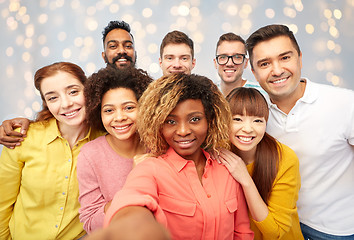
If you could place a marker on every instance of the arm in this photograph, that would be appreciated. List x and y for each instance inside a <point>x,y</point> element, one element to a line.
<point>10,138</point>
<point>133,222</point>
<point>92,201</point>
<point>237,168</point>
<point>283,197</point>
<point>10,180</point>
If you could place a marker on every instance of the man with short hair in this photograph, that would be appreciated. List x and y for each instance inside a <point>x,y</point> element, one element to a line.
<point>118,45</point>
<point>176,53</point>
<point>231,61</point>
<point>317,122</point>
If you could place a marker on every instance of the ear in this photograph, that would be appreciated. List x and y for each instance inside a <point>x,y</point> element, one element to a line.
<point>246,63</point>
<point>193,62</point>
<point>160,61</point>
<point>300,59</point>
<point>103,56</point>
<point>215,63</point>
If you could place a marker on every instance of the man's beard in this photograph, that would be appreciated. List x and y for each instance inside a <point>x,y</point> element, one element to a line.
<point>115,59</point>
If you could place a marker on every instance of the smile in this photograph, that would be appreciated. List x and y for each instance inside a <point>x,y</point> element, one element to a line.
<point>70,114</point>
<point>280,80</point>
<point>122,60</point>
<point>122,127</point>
<point>245,139</point>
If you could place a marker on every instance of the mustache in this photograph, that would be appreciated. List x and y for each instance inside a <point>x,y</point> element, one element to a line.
<point>120,55</point>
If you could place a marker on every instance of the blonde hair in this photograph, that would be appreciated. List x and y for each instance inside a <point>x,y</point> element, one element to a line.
<point>163,95</point>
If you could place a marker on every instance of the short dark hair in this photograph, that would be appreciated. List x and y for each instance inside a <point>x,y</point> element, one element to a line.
<point>109,78</point>
<point>177,37</point>
<point>269,32</point>
<point>230,37</point>
<point>115,25</point>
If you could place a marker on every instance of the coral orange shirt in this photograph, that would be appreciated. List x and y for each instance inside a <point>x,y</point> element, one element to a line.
<point>169,186</point>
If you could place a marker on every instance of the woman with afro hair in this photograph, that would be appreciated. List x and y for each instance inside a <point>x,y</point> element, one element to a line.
<point>103,164</point>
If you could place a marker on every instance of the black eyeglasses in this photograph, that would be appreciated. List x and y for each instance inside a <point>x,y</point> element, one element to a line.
<point>236,59</point>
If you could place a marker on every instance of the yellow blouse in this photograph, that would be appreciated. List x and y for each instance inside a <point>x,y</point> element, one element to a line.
<point>282,221</point>
<point>38,186</point>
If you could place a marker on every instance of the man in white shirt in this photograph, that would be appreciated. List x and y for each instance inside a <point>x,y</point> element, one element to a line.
<point>317,122</point>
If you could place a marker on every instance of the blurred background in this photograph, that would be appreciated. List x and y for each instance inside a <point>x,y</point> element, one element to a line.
<point>38,33</point>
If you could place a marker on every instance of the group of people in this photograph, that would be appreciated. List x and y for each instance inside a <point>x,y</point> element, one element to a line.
<point>120,155</point>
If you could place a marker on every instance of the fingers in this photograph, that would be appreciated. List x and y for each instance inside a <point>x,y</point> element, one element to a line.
<point>10,142</point>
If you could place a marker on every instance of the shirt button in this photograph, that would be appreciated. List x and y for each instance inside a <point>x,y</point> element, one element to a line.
<point>209,196</point>
<point>61,208</point>
<point>69,160</point>
<point>206,175</point>
<point>56,226</point>
<point>63,193</point>
<point>66,177</point>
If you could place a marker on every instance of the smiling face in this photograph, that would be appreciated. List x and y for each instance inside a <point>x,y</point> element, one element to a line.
<point>246,132</point>
<point>277,68</point>
<point>119,112</point>
<point>176,58</point>
<point>185,128</point>
<point>63,94</point>
<point>230,72</point>
<point>119,49</point>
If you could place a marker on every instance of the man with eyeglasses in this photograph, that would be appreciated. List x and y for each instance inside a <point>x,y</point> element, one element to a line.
<point>230,61</point>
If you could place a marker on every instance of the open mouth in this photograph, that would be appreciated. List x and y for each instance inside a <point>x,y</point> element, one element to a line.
<point>280,80</point>
<point>245,139</point>
<point>71,114</point>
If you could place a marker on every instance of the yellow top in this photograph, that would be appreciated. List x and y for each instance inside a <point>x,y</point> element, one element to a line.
<point>38,186</point>
<point>282,221</point>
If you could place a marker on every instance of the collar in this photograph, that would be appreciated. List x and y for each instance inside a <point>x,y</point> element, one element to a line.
<point>53,132</point>
<point>179,162</point>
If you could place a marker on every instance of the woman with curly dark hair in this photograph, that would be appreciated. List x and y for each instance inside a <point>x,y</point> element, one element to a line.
<point>179,184</point>
<point>103,164</point>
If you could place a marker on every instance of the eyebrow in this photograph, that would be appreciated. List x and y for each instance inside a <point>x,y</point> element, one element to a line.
<point>280,55</point>
<point>124,103</point>
<point>190,114</point>
<point>116,41</point>
<point>68,87</point>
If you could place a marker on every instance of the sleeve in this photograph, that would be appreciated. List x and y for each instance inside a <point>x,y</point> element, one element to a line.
<point>10,180</point>
<point>140,189</point>
<point>91,198</point>
<point>282,201</point>
<point>242,230</point>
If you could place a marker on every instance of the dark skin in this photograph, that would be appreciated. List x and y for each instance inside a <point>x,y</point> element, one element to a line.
<point>11,138</point>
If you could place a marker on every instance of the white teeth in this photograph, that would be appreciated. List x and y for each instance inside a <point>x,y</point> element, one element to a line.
<point>121,128</point>
<point>229,71</point>
<point>280,80</point>
<point>70,114</point>
<point>245,139</point>
<point>122,60</point>
<point>185,142</point>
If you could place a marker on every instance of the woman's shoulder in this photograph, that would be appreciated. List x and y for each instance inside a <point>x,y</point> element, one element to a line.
<point>288,156</point>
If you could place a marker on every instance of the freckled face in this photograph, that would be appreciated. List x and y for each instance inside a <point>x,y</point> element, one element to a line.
<point>63,94</point>
<point>185,128</point>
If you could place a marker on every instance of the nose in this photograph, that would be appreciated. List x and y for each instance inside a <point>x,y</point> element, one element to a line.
<point>247,127</point>
<point>277,69</point>
<point>121,48</point>
<point>183,129</point>
<point>120,116</point>
<point>176,63</point>
<point>66,102</point>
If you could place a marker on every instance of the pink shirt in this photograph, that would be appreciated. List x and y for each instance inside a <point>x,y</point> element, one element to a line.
<point>169,186</point>
<point>101,172</point>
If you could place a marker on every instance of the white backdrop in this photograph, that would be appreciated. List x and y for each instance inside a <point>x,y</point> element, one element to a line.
<point>38,33</point>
